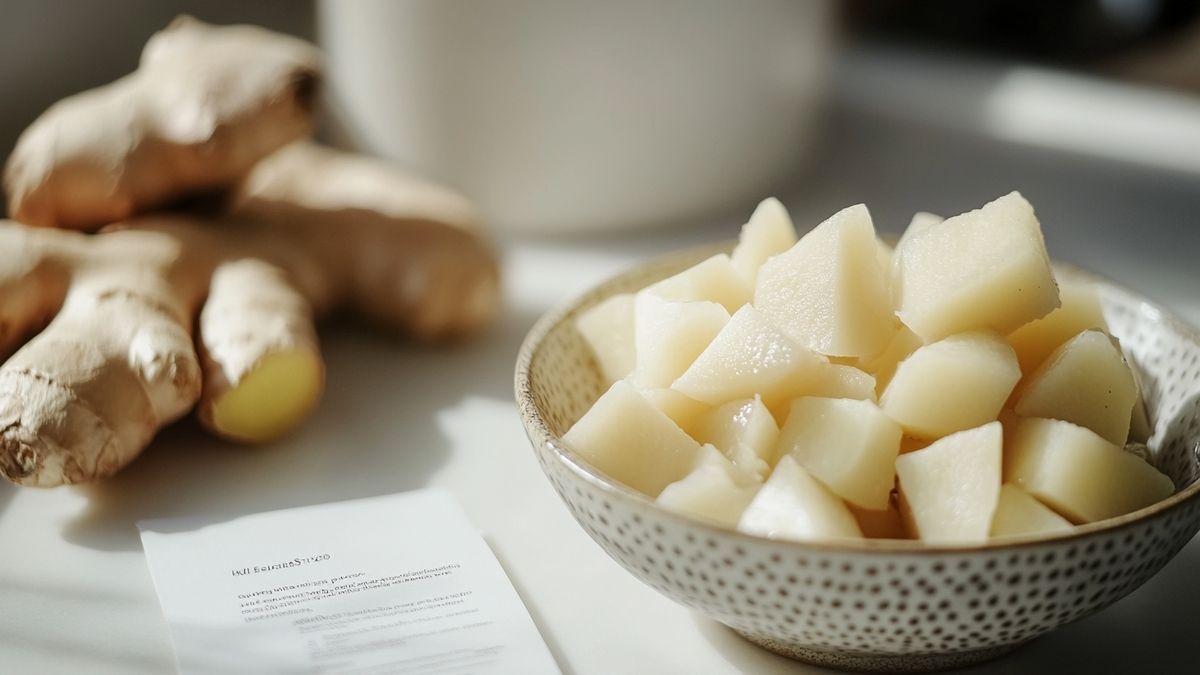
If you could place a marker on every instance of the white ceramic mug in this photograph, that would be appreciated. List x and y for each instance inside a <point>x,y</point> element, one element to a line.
<point>563,115</point>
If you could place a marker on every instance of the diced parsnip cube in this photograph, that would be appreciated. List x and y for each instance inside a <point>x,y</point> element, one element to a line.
<point>1019,513</point>
<point>986,269</point>
<point>884,252</point>
<point>883,366</point>
<point>850,445</point>
<point>949,489</point>
<point>794,505</point>
<point>880,524</point>
<point>834,380</point>
<point>921,221</point>
<point>749,356</point>
<point>632,441</point>
<point>715,489</point>
<point>956,383</point>
<point>1079,474</point>
<point>1085,381</point>
<point>828,290</point>
<point>768,232</point>
<point>686,412</point>
<point>713,279</point>
<point>1140,428</point>
<point>608,330</point>
<point>1080,311</point>
<point>838,380</point>
<point>670,335</point>
<point>745,431</point>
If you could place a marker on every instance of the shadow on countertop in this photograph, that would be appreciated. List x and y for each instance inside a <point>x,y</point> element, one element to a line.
<point>747,656</point>
<point>375,432</point>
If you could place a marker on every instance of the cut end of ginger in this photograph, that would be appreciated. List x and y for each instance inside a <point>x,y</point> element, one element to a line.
<point>272,399</point>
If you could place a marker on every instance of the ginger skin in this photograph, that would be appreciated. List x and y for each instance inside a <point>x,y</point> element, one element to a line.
<point>408,252</point>
<point>116,361</point>
<point>205,104</point>
<point>162,312</point>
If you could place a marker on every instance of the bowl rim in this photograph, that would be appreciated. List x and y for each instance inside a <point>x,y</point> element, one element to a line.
<point>540,434</point>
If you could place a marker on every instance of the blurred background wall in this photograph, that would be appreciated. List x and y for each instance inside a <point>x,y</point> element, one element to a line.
<point>49,50</point>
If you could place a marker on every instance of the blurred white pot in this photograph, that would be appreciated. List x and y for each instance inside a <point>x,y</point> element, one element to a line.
<point>563,115</point>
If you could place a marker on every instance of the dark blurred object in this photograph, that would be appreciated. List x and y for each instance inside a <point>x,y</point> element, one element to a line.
<point>1070,31</point>
<point>1172,62</point>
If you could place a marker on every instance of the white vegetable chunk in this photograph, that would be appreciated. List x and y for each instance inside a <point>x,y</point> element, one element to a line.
<point>849,445</point>
<point>794,505</point>
<point>713,279</point>
<point>884,251</point>
<point>956,383</point>
<point>716,490</point>
<point>833,380</point>
<point>838,380</point>
<point>920,222</point>
<point>745,431</point>
<point>670,335</point>
<point>1018,514</point>
<point>632,441</point>
<point>949,489</point>
<point>1080,310</point>
<point>828,291</point>
<point>1140,427</point>
<point>749,356</point>
<point>768,232</point>
<point>1079,474</point>
<point>607,328</point>
<point>883,366</point>
<point>986,269</point>
<point>686,412</point>
<point>1085,381</point>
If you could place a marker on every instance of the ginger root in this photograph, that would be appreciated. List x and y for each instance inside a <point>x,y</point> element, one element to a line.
<point>408,251</point>
<point>205,104</point>
<point>115,361</point>
<point>160,312</point>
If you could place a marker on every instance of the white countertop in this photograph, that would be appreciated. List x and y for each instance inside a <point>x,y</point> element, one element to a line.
<point>76,596</point>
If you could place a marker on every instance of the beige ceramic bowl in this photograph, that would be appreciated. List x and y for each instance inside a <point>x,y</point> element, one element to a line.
<point>879,605</point>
